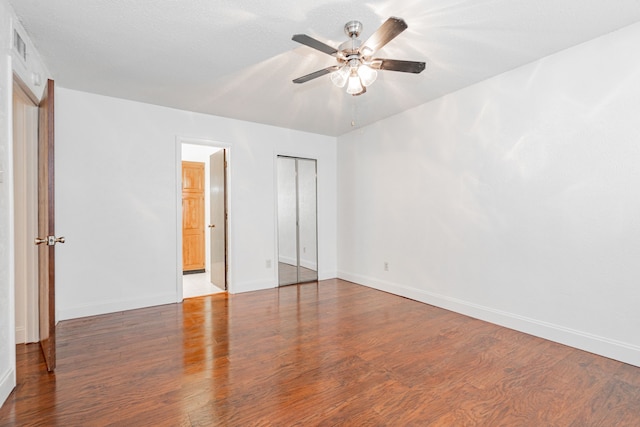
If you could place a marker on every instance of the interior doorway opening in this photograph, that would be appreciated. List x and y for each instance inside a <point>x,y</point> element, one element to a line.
<point>203,217</point>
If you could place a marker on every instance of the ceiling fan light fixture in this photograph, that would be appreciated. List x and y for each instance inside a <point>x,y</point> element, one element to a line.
<point>367,75</point>
<point>356,67</point>
<point>354,86</point>
<point>340,76</point>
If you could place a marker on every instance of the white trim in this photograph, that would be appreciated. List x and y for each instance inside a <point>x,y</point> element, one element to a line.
<point>25,202</point>
<point>624,352</point>
<point>178,165</point>
<point>7,384</point>
<point>328,275</point>
<point>21,335</point>
<point>178,203</point>
<point>257,285</point>
<point>115,306</point>
<point>275,256</point>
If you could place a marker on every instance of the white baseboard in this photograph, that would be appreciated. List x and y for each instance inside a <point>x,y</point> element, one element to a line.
<point>325,275</point>
<point>21,335</point>
<point>115,306</point>
<point>257,285</point>
<point>617,350</point>
<point>7,383</point>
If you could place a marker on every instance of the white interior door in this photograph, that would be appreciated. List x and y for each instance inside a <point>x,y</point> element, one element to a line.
<point>218,219</point>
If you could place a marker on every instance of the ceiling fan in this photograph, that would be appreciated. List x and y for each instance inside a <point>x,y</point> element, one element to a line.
<point>356,66</point>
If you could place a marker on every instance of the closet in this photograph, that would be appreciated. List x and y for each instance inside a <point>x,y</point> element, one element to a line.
<point>297,220</point>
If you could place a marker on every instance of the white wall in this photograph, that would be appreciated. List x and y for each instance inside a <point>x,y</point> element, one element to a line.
<point>116,200</point>
<point>7,321</point>
<point>33,67</point>
<point>514,200</point>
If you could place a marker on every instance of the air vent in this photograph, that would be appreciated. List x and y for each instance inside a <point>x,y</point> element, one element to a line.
<point>19,46</point>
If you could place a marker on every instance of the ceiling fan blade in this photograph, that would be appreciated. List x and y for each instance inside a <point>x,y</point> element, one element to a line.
<point>397,65</point>
<point>316,74</point>
<point>316,44</point>
<point>383,35</point>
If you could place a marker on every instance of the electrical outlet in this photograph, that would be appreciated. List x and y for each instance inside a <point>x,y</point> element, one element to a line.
<point>268,263</point>
<point>386,266</point>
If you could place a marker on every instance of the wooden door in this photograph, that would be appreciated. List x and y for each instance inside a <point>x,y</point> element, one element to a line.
<point>46,227</point>
<point>193,250</point>
<point>218,218</point>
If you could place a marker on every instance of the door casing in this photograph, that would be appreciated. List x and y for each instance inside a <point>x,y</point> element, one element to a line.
<point>25,149</point>
<point>229,229</point>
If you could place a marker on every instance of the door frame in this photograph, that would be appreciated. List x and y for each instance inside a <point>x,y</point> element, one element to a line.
<point>30,180</point>
<point>178,191</point>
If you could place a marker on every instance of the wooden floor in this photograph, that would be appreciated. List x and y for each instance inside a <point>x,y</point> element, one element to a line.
<point>332,353</point>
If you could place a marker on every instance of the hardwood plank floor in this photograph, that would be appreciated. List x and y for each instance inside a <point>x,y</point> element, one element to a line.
<point>332,353</point>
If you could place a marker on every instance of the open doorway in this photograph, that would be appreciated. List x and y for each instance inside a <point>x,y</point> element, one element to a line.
<point>203,211</point>
<point>25,180</point>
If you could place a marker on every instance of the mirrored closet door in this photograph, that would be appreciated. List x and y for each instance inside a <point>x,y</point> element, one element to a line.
<point>297,221</point>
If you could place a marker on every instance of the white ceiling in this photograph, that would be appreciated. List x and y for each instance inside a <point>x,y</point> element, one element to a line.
<point>236,58</point>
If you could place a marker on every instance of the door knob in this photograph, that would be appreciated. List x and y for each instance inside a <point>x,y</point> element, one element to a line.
<point>49,240</point>
<point>212,225</point>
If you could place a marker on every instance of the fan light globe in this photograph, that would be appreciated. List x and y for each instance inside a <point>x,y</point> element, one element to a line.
<point>367,75</point>
<point>340,76</point>
<point>354,86</point>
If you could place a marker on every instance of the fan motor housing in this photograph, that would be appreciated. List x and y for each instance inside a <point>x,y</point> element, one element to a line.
<point>353,28</point>
<point>350,47</point>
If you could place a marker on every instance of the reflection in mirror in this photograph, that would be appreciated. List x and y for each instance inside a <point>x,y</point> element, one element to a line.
<point>297,221</point>
<point>287,218</point>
